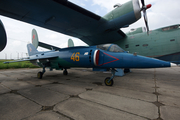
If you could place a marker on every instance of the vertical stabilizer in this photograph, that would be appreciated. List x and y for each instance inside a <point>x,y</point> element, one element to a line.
<point>31,50</point>
<point>35,40</point>
<point>70,43</point>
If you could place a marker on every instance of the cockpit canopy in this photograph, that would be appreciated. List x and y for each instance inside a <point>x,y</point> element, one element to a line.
<point>110,48</point>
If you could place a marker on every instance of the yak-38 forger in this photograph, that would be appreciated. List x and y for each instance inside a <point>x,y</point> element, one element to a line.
<point>105,56</point>
<point>99,57</point>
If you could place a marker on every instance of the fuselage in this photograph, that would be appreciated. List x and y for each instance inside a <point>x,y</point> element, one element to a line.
<point>163,43</point>
<point>101,56</point>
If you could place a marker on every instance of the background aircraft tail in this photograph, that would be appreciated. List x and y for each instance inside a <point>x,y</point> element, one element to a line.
<point>36,43</point>
<point>31,49</point>
<point>70,43</point>
<point>35,40</point>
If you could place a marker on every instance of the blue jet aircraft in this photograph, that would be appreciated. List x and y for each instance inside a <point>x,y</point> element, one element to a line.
<point>105,56</point>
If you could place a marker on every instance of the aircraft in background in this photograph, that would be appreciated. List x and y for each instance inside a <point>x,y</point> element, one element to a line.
<point>162,43</point>
<point>68,18</point>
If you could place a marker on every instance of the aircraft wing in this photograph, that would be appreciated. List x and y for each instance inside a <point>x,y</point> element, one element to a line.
<point>67,18</point>
<point>32,59</point>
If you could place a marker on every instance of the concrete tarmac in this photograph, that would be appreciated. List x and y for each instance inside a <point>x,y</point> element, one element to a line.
<point>143,94</point>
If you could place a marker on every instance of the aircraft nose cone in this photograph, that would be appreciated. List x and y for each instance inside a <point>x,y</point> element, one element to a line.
<point>146,62</point>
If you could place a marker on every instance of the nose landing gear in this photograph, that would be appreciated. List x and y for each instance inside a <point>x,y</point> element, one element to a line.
<point>109,80</point>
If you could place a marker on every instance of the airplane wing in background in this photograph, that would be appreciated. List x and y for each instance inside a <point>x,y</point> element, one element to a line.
<point>67,18</point>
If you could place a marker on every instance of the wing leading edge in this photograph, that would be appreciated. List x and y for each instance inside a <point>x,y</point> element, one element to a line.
<point>67,18</point>
<point>32,59</point>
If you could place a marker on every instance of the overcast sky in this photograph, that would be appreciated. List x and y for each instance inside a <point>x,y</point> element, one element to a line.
<point>162,13</point>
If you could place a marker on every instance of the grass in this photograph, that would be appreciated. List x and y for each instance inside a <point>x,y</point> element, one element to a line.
<point>24,64</point>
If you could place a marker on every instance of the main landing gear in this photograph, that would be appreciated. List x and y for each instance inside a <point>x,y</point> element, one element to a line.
<point>109,80</point>
<point>65,72</point>
<point>40,74</point>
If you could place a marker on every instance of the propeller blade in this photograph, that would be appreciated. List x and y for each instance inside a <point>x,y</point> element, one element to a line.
<point>142,1</point>
<point>146,21</point>
<point>143,9</point>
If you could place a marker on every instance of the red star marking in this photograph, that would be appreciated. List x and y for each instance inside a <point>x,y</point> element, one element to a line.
<point>33,36</point>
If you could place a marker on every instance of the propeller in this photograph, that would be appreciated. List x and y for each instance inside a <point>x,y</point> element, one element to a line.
<point>144,8</point>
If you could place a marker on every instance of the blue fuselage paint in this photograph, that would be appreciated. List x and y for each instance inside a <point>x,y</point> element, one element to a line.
<point>84,57</point>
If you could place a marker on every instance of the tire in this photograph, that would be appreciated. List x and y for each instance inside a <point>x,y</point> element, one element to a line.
<point>126,70</point>
<point>39,75</point>
<point>108,83</point>
<point>65,72</point>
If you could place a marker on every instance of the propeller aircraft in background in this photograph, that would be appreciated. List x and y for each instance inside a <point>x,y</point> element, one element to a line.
<point>162,43</point>
<point>68,18</point>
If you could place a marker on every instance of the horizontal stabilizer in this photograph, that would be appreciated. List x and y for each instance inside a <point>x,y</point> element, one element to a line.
<point>47,46</point>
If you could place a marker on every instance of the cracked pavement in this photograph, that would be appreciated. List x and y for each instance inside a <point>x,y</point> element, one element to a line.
<point>143,94</point>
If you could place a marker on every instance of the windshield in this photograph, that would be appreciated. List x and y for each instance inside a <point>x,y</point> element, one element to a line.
<point>110,47</point>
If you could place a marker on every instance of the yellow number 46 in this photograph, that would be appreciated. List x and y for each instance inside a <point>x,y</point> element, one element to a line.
<point>75,56</point>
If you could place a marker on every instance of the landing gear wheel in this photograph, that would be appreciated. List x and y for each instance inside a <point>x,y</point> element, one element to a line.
<point>126,70</point>
<point>65,72</point>
<point>107,82</point>
<point>39,75</point>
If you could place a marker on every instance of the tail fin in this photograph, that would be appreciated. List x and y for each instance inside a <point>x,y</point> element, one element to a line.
<point>31,49</point>
<point>35,40</point>
<point>70,43</point>
<point>36,43</point>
